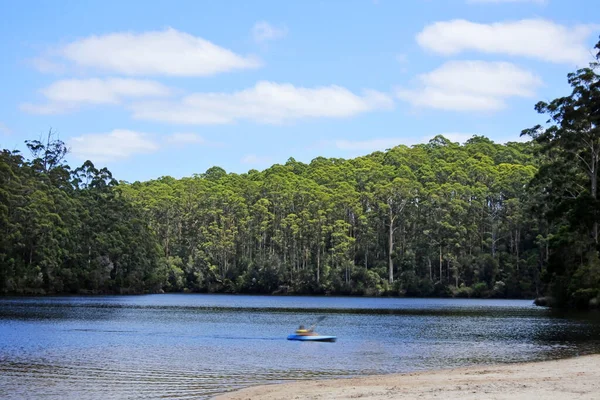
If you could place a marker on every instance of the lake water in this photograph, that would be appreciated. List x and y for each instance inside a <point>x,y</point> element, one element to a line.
<point>195,346</point>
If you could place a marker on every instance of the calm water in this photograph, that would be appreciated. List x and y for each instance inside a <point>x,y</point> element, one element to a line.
<point>196,346</point>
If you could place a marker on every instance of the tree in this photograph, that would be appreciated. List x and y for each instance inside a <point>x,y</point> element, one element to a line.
<point>394,200</point>
<point>570,146</point>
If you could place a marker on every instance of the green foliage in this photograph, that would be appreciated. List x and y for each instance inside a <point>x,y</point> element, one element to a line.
<point>566,190</point>
<point>419,221</point>
<point>479,290</point>
<point>69,231</point>
<point>463,291</point>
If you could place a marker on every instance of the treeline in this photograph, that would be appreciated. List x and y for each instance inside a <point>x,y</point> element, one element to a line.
<point>70,231</point>
<point>436,219</point>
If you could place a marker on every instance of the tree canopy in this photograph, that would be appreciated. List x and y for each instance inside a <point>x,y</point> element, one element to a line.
<point>433,219</point>
<point>567,188</point>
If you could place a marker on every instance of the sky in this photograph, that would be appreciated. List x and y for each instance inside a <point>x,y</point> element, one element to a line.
<point>156,88</point>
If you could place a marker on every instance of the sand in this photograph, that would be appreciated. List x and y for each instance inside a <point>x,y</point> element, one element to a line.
<point>575,378</point>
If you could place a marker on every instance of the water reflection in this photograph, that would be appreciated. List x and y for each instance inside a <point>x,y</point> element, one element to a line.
<point>194,346</point>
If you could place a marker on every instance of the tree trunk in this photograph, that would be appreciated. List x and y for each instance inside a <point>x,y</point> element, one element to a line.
<point>391,248</point>
<point>594,178</point>
<point>517,240</point>
<point>441,264</point>
<point>318,264</point>
<point>455,274</point>
<point>347,278</point>
<point>430,269</point>
<point>493,241</point>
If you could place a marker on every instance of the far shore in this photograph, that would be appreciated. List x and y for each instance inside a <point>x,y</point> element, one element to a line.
<point>275,295</point>
<point>573,378</point>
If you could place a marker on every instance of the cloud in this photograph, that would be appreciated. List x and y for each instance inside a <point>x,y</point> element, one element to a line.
<point>253,159</point>
<point>185,138</point>
<point>116,145</point>
<point>47,66</point>
<point>48,108</point>
<point>168,52</point>
<point>266,102</point>
<point>68,94</point>
<point>507,1</point>
<point>471,86</point>
<point>262,31</point>
<point>5,130</point>
<point>533,38</point>
<point>103,91</point>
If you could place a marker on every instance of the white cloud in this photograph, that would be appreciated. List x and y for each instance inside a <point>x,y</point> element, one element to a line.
<point>266,102</point>
<point>262,31</point>
<point>103,91</point>
<point>168,52</point>
<point>68,94</point>
<point>5,129</point>
<point>115,145</point>
<point>253,159</point>
<point>48,108</point>
<point>534,38</point>
<point>185,138</point>
<point>471,86</point>
<point>47,66</point>
<point>508,1</point>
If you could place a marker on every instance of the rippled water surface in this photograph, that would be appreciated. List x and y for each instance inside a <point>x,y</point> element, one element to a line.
<point>196,346</point>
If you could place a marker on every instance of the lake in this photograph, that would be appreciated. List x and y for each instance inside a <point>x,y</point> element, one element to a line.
<point>192,346</point>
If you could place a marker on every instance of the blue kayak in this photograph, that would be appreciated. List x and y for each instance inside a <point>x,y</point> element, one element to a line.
<point>312,338</point>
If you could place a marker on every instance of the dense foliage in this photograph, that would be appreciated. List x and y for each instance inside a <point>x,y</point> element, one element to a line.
<point>433,219</point>
<point>436,219</point>
<point>567,189</point>
<point>70,231</point>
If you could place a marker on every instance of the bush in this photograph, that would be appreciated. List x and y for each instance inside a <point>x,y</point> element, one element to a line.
<point>583,297</point>
<point>480,290</point>
<point>545,301</point>
<point>499,290</point>
<point>463,291</point>
<point>441,290</point>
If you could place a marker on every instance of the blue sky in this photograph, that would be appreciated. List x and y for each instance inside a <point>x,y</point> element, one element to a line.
<point>153,88</point>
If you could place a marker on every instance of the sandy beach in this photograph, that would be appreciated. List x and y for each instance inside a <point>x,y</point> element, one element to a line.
<point>575,378</point>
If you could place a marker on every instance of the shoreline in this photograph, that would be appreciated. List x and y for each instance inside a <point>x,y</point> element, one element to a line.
<point>21,295</point>
<point>569,378</point>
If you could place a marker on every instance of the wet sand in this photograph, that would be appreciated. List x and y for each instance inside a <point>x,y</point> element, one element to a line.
<point>574,378</point>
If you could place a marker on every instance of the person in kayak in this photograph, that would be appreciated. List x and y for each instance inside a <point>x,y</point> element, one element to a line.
<point>302,331</point>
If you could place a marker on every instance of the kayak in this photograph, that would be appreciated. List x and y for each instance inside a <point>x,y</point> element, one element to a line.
<point>312,338</point>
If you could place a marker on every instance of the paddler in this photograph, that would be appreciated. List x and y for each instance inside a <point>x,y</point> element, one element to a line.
<point>302,331</point>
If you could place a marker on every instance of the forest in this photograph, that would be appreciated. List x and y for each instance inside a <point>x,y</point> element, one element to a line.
<point>481,219</point>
